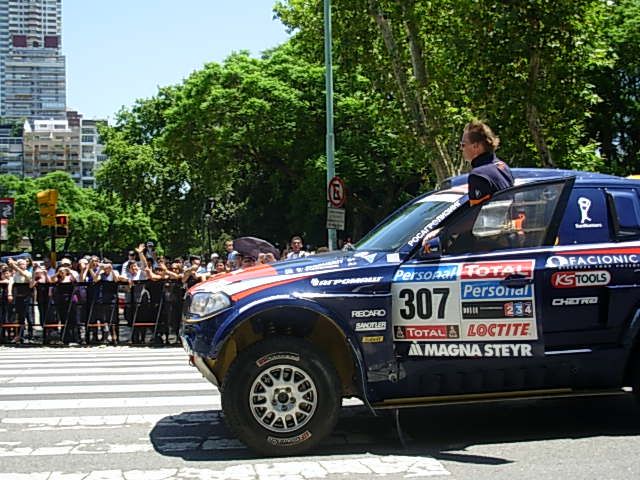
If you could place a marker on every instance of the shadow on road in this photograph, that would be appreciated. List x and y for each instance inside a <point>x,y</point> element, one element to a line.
<point>442,432</point>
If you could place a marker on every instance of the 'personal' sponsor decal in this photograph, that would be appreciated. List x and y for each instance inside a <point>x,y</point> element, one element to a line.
<point>587,278</point>
<point>497,270</point>
<point>430,273</point>
<point>570,302</point>
<point>470,350</point>
<point>489,290</point>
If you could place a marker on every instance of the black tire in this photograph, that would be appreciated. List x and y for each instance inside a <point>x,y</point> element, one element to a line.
<point>281,396</point>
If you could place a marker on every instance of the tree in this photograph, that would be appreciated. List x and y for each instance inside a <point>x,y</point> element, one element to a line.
<point>520,65</point>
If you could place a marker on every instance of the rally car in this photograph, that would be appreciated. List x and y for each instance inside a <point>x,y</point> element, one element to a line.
<point>532,293</point>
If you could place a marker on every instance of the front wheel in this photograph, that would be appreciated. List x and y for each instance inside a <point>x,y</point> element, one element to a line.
<point>281,396</point>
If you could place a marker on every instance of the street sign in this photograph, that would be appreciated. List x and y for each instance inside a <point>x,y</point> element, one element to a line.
<point>335,218</point>
<point>336,192</point>
<point>4,229</point>
<point>7,209</point>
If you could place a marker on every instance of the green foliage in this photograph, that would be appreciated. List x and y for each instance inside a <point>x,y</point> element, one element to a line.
<point>97,223</point>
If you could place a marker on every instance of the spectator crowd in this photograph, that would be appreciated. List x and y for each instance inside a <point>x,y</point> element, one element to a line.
<point>89,300</point>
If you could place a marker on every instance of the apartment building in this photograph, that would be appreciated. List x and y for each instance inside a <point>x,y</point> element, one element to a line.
<point>32,67</point>
<point>11,150</point>
<point>72,145</point>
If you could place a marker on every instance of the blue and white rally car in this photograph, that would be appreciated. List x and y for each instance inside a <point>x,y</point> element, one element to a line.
<point>535,292</point>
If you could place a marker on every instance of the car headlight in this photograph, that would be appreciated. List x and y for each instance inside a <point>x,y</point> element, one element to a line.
<point>205,304</point>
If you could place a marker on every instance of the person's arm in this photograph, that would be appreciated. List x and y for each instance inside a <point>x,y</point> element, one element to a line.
<point>143,259</point>
<point>10,290</point>
<point>96,274</point>
<point>479,189</point>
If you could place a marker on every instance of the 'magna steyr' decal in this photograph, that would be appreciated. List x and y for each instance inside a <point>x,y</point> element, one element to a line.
<point>470,350</point>
<point>464,302</point>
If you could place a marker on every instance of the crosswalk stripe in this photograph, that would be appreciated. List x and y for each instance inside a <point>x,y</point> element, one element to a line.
<point>85,421</point>
<point>96,370</point>
<point>106,388</point>
<point>193,374</point>
<point>76,365</point>
<point>211,401</point>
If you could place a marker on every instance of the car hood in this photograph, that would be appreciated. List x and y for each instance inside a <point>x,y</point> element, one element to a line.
<point>241,283</point>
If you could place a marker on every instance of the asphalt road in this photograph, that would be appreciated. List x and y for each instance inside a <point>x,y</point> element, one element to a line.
<point>139,413</point>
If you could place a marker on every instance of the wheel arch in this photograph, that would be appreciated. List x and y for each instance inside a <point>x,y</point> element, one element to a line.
<point>306,320</point>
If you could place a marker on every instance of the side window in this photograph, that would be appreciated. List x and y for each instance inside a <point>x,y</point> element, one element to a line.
<point>625,210</point>
<point>585,219</point>
<point>511,219</point>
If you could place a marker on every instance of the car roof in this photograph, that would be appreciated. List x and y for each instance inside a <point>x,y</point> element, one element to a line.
<point>533,174</point>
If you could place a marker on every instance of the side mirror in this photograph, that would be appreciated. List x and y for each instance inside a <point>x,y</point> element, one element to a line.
<point>431,249</point>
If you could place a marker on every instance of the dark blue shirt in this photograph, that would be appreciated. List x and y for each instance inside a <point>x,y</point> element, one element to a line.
<point>489,175</point>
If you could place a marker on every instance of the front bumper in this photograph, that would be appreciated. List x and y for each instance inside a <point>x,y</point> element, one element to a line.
<point>199,362</point>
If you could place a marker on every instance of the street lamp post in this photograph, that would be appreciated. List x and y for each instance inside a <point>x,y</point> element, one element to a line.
<point>330,143</point>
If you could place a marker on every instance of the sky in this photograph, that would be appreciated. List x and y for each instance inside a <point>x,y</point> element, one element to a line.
<point>118,51</point>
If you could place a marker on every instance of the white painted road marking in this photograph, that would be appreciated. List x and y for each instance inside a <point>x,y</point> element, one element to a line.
<point>367,466</point>
<point>100,378</point>
<point>108,388</point>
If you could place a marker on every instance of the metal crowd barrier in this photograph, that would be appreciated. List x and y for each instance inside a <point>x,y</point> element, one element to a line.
<point>140,312</point>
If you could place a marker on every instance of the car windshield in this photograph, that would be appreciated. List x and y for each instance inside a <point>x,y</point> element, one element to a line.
<point>411,223</point>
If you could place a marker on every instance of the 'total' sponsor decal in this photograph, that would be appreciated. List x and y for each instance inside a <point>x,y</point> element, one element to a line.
<point>587,278</point>
<point>489,270</point>
<point>427,332</point>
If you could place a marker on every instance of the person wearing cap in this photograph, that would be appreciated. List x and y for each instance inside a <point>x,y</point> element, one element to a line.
<point>211,266</point>
<point>131,257</point>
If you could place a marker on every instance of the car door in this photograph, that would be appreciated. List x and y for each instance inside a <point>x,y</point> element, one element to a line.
<point>468,321</point>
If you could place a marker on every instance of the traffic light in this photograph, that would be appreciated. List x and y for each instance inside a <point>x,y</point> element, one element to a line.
<point>47,203</point>
<point>62,225</point>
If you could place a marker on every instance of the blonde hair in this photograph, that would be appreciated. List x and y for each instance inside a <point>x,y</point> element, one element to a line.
<point>480,132</point>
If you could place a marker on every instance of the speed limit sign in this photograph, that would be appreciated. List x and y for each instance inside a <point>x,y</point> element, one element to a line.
<point>336,192</point>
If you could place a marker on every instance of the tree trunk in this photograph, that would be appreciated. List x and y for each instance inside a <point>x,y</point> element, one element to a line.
<point>410,95</point>
<point>533,117</point>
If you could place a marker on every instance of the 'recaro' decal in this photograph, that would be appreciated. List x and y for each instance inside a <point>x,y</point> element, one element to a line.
<point>373,313</point>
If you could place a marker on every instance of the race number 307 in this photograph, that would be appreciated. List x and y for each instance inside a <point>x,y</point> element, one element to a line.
<point>420,303</point>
